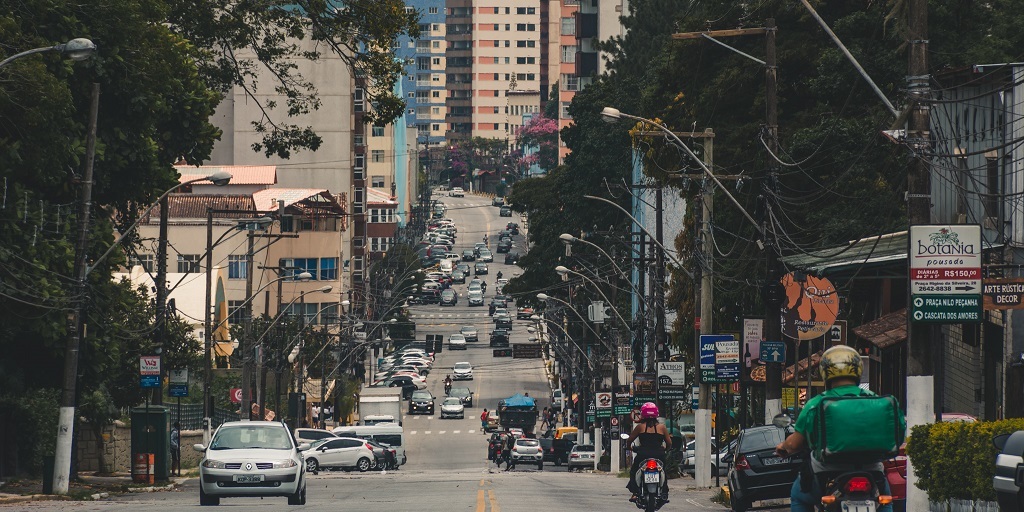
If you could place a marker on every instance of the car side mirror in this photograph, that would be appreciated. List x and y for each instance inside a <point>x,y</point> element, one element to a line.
<point>782,421</point>
<point>199,447</point>
<point>302,447</point>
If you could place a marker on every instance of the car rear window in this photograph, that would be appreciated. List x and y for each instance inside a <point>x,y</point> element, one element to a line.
<point>760,440</point>
<point>528,442</point>
<point>585,448</point>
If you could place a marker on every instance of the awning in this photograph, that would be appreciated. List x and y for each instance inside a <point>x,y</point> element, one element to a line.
<point>886,331</point>
<point>223,349</point>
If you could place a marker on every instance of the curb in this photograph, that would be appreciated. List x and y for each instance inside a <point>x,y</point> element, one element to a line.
<point>17,498</point>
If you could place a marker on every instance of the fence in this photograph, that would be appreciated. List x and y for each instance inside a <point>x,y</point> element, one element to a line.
<point>963,506</point>
<point>192,416</point>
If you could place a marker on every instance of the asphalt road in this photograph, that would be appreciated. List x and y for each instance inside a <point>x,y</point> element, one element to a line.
<point>448,468</point>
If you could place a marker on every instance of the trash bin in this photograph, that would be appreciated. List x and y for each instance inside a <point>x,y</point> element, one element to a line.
<point>142,468</point>
<point>48,463</point>
<point>151,435</point>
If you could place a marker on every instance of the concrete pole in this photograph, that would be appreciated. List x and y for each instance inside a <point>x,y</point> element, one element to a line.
<point>597,445</point>
<point>702,416</point>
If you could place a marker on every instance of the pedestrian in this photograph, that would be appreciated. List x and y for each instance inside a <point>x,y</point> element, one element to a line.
<point>176,449</point>
<point>484,416</point>
<point>316,416</point>
<point>545,419</point>
<point>328,412</point>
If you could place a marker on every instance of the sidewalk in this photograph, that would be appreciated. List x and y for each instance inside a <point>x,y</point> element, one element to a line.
<point>89,486</point>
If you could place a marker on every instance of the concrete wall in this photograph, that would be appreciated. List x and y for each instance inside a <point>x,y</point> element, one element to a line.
<point>118,444</point>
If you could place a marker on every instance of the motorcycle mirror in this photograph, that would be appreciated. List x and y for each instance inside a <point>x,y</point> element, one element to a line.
<point>623,436</point>
<point>782,421</point>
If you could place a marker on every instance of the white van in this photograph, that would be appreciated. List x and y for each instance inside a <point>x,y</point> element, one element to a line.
<point>446,266</point>
<point>386,433</point>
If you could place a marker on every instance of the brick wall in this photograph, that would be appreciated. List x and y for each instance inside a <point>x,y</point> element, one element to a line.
<point>118,444</point>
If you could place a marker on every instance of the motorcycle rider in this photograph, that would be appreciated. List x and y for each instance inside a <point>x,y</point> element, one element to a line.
<point>447,384</point>
<point>840,368</point>
<point>499,274</point>
<point>651,435</point>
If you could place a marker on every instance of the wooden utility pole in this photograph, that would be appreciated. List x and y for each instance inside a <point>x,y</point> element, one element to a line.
<point>924,342</point>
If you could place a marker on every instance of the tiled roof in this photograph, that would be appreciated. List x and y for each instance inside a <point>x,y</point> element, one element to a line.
<point>266,200</point>
<point>193,206</point>
<point>378,196</point>
<point>240,174</point>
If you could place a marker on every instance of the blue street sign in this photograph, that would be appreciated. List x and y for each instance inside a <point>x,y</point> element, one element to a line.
<point>773,352</point>
<point>177,390</point>
<point>710,370</point>
<point>149,381</point>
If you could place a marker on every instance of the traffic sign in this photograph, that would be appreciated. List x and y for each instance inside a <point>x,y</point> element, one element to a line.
<point>945,273</point>
<point>946,308</point>
<point>773,352</point>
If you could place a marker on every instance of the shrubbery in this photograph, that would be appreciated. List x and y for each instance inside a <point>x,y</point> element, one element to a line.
<point>956,460</point>
<point>32,419</point>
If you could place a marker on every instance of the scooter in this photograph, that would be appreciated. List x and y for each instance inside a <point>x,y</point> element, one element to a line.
<point>650,477</point>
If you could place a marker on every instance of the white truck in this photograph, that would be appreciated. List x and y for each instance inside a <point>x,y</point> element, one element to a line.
<point>380,405</point>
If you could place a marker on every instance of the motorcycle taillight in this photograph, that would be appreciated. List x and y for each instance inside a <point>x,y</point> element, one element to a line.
<point>652,465</point>
<point>858,484</point>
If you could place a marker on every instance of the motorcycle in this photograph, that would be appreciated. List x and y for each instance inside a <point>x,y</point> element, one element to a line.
<point>447,388</point>
<point>650,477</point>
<point>849,491</point>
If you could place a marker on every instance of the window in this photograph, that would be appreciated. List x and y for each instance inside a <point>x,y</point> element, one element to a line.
<point>237,266</point>
<point>435,27</point>
<point>526,44</point>
<point>358,200</point>
<point>378,131</point>
<point>188,263</point>
<point>144,260</point>
<point>377,181</point>
<point>508,60</point>
<point>328,269</point>
<point>526,60</point>
<point>568,26</point>
<point>236,312</point>
<point>359,139</point>
<point>435,94</point>
<point>570,82</point>
<point>432,10</point>
<point>380,244</point>
<point>526,27</point>
<point>496,76</point>
<point>377,155</point>
<point>437,61</point>
<point>569,54</point>
<point>357,100</point>
<point>526,76</point>
<point>358,168</point>
<point>436,44</point>
<point>507,44</point>
<point>496,10</point>
<point>495,110</point>
<point>435,127</point>
<point>497,26</point>
<point>564,111</point>
<point>382,215</point>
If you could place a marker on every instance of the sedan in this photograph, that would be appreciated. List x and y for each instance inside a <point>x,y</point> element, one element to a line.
<point>468,255</point>
<point>452,407</point>
<point>469,332</point>
<point>462,370</point>
<point>422,402</point>
<point>504,246</point>
<point>486,256</point>
<point>456,342</point>
<point>449,298</point>
<point>480,268</point>
<point>463,394</point>
<point>341,453</point>
<point>252,458</point>
<point>581,457</point>
<point>458,276</point>
<point>476,298</point>
<point>757,472</point>
<point>1009,472</point>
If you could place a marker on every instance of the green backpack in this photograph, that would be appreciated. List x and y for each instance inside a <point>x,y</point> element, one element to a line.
<point>859,429</point>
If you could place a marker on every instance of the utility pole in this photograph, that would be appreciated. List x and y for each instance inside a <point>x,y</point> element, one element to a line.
<point>246,343</point>
<point>160,326</point>
<point>660,344</point>
<point>702,416</point>
<point>924,342</point>
<point>772,318</point>
<point>69,397</point>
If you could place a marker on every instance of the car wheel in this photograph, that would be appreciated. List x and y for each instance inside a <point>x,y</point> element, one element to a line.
<point>299,498</point>
<point>363,465</point>
<point>738,504</point>
<point>206,500</point>
<point>312,465</point>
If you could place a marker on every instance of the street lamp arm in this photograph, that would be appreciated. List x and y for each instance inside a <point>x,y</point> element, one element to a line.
<point>26,53</point>
<point>75,49</point>
<point>280,314</point>
<point>305,276</point>
<point>131,229</point>
<point>606,255</point>
<point>598,288</point>
<point>584,320</point>
<point>590,363</point>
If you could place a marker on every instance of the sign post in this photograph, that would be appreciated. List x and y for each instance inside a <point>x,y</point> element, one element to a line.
<point>945,273</point>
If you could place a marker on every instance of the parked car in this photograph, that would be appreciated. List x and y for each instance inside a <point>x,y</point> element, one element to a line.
<point>505,211</point>
<point>463,394</point>
<point>452,407</point>
<point>224,471</point>
<point>421,402</point>
<point>462,370</point>
<point>757,473</point>
<point>470,333</point>
<point>527,450</point>
<point>311,435</point>
<point>456,342</point>
<point>1009,472</point>
<point>556,399</point>
<point>896,474</point>
<point>718,464</point>
<point>581,457</point>
<point>524,313</point>
<point>346,453</point>
<point>480,269</point>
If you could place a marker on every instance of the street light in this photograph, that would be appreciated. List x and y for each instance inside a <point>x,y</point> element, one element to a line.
<point>77,49</point>
<point>563,270</point>
<point>546,297</point>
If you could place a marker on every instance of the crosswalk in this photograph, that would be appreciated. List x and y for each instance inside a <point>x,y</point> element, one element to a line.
<point>440,432</point>
<point>426,316</point>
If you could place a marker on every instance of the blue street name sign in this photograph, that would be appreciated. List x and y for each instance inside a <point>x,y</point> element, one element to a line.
<point>177,390</point>
<point>149,381</point>
<point>773,352</point>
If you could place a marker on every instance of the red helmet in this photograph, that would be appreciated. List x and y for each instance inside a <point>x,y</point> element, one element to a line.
<point>648,410</point>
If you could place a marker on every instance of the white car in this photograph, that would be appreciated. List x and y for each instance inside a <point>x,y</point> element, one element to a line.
<point>343,452</point>
<point>252,458</point>
<point>452,407</point>
<point>457,192</point>
<point>456,342</point>
<point>462,371</point>
<point>476,298</point>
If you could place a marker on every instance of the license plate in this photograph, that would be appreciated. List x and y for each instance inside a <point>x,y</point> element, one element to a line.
<point>858,506</point>
<point>652,478</point>
<point>248,479</point>
<point>771,461</point>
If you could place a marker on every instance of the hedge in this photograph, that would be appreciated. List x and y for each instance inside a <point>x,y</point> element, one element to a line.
<point>956,460</point>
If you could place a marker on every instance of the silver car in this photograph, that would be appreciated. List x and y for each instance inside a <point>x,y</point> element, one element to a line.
<point>252,458</point>
<point>452,407</point>
<point>528,450</point>
<point>581,457</point>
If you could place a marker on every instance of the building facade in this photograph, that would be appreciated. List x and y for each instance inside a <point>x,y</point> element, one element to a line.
<point>424,78</point>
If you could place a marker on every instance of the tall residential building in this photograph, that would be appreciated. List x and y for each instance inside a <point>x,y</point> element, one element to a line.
<point>583,24</point>
<point>492,49</point>
<point>424,77</point>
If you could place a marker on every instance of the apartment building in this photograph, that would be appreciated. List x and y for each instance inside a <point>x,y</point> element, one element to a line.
<point>424,77</point>
<point>492,49</point>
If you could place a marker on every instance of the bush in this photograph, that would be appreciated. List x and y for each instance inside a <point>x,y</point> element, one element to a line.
<point>956,460</point>
<point>32,418</point>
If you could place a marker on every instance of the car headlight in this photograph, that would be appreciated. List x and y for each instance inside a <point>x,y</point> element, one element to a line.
<point>214,464</point>
<point>288,463</point>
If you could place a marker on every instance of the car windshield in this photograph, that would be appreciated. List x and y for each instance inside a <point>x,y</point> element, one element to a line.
<point>463,366</point>
<point>421,395</point>
<point>451,401</point>
<point>251,436</point>
<point>457,337</point>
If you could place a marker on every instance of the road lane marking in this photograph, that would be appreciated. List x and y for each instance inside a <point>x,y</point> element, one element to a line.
<point>412,433</point>
<point>471,431</point>
<point>425,432</point>
<point>494,502</point>
<point>442,432</point>
<point>456,431</point>
<point>480,500</point>
<point>481,482</point>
